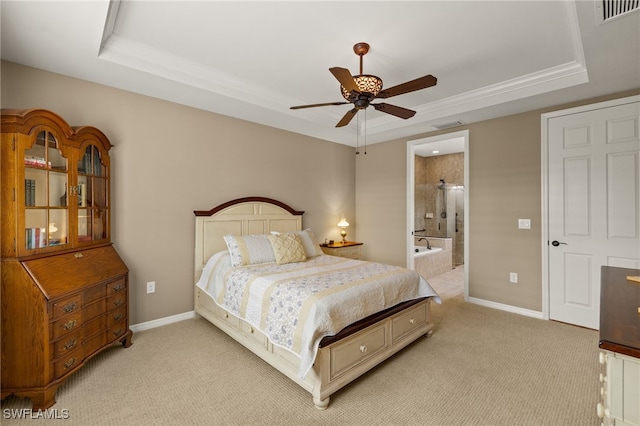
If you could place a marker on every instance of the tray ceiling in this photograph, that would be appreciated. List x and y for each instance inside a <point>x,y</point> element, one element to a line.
<point>253,60</point>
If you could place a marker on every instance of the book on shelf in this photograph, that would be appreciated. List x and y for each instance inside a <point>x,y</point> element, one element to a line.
<point>31,160</point>
<point>82,195</point>
<point>29,192</point>
<point>36,238</point>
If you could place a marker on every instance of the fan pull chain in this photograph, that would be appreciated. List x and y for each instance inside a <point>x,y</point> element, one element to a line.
<point>357,132</point>
<point>365,132</point>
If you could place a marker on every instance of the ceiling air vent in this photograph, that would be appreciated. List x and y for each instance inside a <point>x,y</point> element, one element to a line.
<point>449,125</point>
<point>613,8</point>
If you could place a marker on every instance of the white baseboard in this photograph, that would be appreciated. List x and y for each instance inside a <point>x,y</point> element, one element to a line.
<point>163,321</point>
<point>508,308</point>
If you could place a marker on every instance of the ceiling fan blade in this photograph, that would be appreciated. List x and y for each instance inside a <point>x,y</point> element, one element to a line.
<point>347,118</point>
<point>394,110</point>
<point>319,105</point>
<point>343,75</point>
<point>409,86</point>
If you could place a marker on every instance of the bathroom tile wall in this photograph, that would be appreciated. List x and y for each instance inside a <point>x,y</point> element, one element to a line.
<point>428,172</point>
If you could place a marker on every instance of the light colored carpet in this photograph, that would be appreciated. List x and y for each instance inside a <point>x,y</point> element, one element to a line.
<point>480,367</point>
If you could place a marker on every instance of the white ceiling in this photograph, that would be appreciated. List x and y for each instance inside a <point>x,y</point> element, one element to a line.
<point>254,60</point>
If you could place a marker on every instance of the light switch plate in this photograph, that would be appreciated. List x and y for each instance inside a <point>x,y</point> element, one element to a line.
<point>524,223</point>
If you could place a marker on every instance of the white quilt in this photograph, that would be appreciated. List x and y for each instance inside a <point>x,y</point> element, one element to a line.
<point>297,304</point>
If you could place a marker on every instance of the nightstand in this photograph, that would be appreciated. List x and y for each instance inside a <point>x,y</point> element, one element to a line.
<point>349,249</point>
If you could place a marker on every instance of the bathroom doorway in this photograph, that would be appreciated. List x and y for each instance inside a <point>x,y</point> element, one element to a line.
<point>437,194</point>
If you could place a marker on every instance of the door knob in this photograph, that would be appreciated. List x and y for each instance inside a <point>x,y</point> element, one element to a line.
<point>556,243</point>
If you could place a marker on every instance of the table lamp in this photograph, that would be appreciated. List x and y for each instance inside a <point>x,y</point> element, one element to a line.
<point>343,232</point>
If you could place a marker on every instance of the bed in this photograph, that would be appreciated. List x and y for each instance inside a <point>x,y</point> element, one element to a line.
<point>326,337</point>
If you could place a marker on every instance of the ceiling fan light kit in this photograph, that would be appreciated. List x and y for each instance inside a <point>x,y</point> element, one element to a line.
<point>367,84</point>
<point>360,90</point>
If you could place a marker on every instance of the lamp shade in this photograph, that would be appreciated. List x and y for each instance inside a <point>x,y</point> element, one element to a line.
<point>343,223</point>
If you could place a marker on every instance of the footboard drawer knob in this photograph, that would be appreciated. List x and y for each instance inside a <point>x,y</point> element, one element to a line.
<point>412,321</point>
<point>363,348</point>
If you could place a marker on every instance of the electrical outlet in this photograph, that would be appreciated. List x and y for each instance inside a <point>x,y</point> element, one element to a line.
<point>513,277</point>
<point>151,287</point>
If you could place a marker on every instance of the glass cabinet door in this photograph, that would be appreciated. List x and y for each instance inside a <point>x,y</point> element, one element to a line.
<point>92,196</point>
<point>46,179</point>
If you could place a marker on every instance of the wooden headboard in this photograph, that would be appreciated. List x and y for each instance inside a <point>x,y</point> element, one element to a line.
<point>250,215</point>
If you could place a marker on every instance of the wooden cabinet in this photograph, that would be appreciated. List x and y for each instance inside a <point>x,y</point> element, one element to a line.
<point>348,249</point>
<point>64,287</point>
<point>620,347</point>
<point>55,184</point>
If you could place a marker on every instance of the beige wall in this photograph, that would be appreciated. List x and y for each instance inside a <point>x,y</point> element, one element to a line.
<point>504,185</point>
<point>169,160</point>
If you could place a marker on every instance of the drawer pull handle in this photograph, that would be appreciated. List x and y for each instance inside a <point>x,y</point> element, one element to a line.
<point>69,325</point>
<point>117,316</point>
<point>117,302</point>
<point>118,332</point>
<point>70,363</point>
<point>117,288</point>
<point>69,307</point>
<point>251,330</point>
<point>78,255</point>
<point>363,349</point>
<point>600,410</point>
<point>602,358</point>
<point>412,321</point>
<point>226,315</point>
<point>71,343</point>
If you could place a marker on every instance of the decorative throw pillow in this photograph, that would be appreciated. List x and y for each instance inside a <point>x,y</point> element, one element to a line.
<point>249,249</point>
<point>309,242</point>
<point>287,248</point>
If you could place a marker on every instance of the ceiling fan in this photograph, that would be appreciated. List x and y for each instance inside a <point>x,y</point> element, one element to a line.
<point>360,90</point>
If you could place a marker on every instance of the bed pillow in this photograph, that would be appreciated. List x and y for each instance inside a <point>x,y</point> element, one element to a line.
<point>309,242</point>
<point>249,249</point>
<point>287,248</point>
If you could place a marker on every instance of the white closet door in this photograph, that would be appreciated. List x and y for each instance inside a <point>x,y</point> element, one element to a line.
<point>594,206</point>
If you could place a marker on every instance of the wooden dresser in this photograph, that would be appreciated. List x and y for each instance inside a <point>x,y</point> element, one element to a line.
<point>620,347</point>
<point>64,286</point>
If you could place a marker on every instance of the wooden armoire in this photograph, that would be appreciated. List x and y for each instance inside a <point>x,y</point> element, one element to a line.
<point>64,287</point>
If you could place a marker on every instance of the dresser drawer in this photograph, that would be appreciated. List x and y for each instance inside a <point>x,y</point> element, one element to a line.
<point>116,331</point>
<point>94,293</point>
<point>350,252</point>
<point>66,306</point>
<point>94,326</point>
<point>359,347</point>
<point>116,316</point>
<point>66,325</point>
<point>116,301</point>
<point>94,309</point>
<point>407,322</point>
<point>230,319</point>
<point>68,362</point>
<point>67,344</point>
<point>93,344</point>
<point>253,334</point>
<point>117,286</point>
